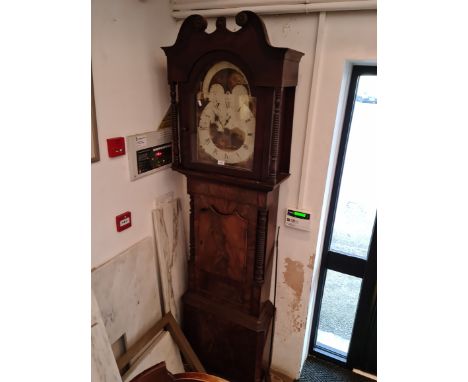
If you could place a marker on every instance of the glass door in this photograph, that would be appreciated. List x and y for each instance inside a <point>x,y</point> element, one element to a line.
<point>347,281</point>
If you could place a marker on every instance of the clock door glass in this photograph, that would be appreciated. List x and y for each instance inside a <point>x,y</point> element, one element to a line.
<point>225,115</point>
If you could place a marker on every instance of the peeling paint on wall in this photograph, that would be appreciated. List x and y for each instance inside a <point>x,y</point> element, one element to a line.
<point>294,278</point>
<point>310,265</point>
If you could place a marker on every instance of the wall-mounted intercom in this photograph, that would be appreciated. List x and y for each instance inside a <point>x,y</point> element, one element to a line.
<point>299,219</point>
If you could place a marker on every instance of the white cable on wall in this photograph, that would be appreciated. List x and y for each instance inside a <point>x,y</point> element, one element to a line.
<point>312,110</point>
<point>210,8</point>
<point>211,4</point>
<point>181,5</point>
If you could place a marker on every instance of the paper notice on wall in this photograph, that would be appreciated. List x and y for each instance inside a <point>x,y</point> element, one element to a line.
<point>141,141</point>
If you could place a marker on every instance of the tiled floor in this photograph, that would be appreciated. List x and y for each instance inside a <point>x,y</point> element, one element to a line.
<point>316,370</point>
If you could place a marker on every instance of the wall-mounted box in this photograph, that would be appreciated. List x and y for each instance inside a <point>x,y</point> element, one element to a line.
<point>123,221</point>
<point>116,147</point>
<point>149,152</point>
<point>299,219</point>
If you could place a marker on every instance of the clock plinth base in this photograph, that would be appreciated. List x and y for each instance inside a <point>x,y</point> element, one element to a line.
<point>229,343</point>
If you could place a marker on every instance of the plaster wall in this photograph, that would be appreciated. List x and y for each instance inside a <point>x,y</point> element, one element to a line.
<point>340,39</point>
<point>132,96</point>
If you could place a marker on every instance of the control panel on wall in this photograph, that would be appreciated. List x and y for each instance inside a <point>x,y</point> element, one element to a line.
<point>298,219</point>
<point>149,152</point>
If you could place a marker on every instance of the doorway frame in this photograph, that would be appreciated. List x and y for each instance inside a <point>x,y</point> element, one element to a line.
<point>334,261</point>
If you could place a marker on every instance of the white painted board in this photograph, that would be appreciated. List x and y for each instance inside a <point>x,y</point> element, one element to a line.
<point>127,292</point>
<point>172,254</point>
<point>103,365</point>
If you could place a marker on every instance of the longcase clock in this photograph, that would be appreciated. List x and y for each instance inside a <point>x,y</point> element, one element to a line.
<point>232,97</point>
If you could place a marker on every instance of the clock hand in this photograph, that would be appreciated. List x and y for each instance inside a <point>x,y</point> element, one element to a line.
<point>226,124</point>
<point>218,123</point>
<point>220,126</point>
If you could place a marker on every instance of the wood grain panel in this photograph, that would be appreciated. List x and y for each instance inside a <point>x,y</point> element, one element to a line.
<point>222,240</point>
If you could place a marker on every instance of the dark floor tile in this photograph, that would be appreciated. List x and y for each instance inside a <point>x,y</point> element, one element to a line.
<point>317,370</point>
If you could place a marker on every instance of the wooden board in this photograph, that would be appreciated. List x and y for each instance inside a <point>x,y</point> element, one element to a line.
<point>170,324</point>
<point>163,348</point>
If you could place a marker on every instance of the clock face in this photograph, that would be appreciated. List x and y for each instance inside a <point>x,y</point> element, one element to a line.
<point>225,118</point>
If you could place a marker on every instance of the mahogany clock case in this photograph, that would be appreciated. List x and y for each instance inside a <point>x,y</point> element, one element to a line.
<point>228,316</point>
<point>271,74</point>
<point>233,205</point>
<point>232,244</point>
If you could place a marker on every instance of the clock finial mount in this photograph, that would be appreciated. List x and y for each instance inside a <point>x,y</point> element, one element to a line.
<point>221,23</point>
<point>198,23</point>
<point>242,18</point>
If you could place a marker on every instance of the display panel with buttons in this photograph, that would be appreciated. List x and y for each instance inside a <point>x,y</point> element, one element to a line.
<point>298,219</point>
<point>149,152</point>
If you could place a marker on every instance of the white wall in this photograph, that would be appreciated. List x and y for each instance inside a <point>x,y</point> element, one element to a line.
<point>132,96</point>
<point>343,37</point>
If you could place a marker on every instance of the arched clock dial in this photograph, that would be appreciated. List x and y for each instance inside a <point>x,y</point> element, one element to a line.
<point>225,118</point>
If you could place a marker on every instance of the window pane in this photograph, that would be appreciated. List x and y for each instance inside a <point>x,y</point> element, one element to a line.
<point>337,313</point>
<point>356,207</point>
